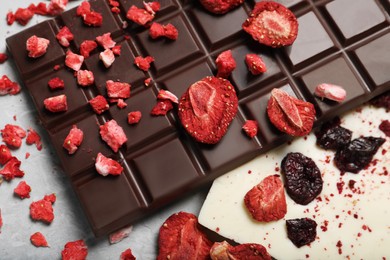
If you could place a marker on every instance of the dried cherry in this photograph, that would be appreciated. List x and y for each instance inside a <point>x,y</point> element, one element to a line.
<point>333,136</point>
<point>301,231</point>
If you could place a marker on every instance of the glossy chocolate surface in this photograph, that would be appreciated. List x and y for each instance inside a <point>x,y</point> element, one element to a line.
<point>337,43</point>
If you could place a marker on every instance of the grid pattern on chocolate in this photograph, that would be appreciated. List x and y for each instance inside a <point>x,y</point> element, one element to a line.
<point>161,161</point>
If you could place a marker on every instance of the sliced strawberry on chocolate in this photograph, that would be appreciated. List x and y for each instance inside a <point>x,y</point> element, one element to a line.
<point>267,201</point>
<point>220,6</point>
<point>207,108</point>
<point>272,24</point>
<point>180,238</point>
<point>224,251</point>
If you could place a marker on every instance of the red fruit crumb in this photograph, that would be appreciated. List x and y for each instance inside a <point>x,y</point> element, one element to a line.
<point>75,250</point>
<point>107,57</point>
<point>34,138</point>
<point>86,47</point>
<point>27,155</point>
<point>12,169</point>
<point>115,10</point>
<point>56,67</point>
<point>99,104</point>
<point>56,104</point>
<point>42,210</point>
<point>139,15</point>
<point>113,135</point>
<point>38,240</point>
<point>51,198</point>
<point>8,87</point>
<point>255,64</point>
<point>143,63</point>
<point>85,78</point>
<point>152,7</point>
<point>73,140</point>
<point>22,190</point>
<point>147,81</point>
<point>161,108</point>
<point>117,89</point>
<point>64,36</point>
<point>105,166</point>
<point>121,103</point>
<point>10,18</point>
<point>3,57</point>
<point>41,9</point>
<point>13,135</point>
<point>165,94</point>
<point>36,46</point>
<point>56,83</point>
<point>119,235</point>
<point>73,60</point>
<point>105,41</point>
<point>250,128</point>
<point>5,154</point>
<point>127,255</point>
<point>92,18</point>
<point>83,8</point>
<point>220,6</point>
<point>225,63</point>
<point>134,117</point>
<point>116,50</point>
<point>23,15</point>
<point>158,30</point>
<point>385,127</point>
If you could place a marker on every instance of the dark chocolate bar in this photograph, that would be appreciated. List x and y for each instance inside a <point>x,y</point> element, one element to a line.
<point>338,42</point>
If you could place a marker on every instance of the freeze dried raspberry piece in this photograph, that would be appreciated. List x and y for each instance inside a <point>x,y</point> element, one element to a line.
<point>225,64</point>
<point>8,87</point>
<point>42,210</point>
<point>207,108</point>
<point>143,63</point>
<point>107,57</point>
<point>75,250</point>
<point>255,64</point>
<point>41,9</point>
<point>99,104</point>
<point>266,201</point>
<point>56,104</point>
<point>134,117</point>
<point>121,103</point>
<point>113,135</point>
<point>64,36</point>
<point>56,83</point>
<point>85,78</point>
<point>289,114</point>
<point>152,7</point>
<point>139,15</point>
<point>272,24</point>
<point>12,169</point>
<point>116,89</point>
<point>3,58</point>
<point>38,240</point>
<point>180,237</point>
<point>220,6</point>
<point>13,135</point>
<point>23,16</point>
<point>224,251</point>
<point>162,108</point>
<point>165,94</point>
<point>147,81</point>
<point>158,30</point>
<point>83,8</point>
<point>250,128</point>
<point>119,235</point>
<point>36,46</point>
<point>22,190</point>
<point>5,154</point>
<point>34,138</point>
<point>301,231</point>
<point>127,255</point>
<point>73,60</point>
<point>73,140</point>
<point>105,41</point>
<point>105,166</point>
<point>331,92</point>
<point>86,47</point>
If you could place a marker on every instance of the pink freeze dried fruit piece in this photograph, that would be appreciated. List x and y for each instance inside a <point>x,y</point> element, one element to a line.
<point>127,255</point>
<point>139,15</point>
<point>34,138</point>
<point>116,50</point>
<point>73,140</point>
<point>162,108</point>
<point>99,104</point>
<point>85,78</point>
<point>105,41</point>
<point>38,240</point>
<point>113,135</point>
<point>119,235</point>
<point>56,104</point>
<point>331,92</point>
<point>86,47</point>
<point>167,95</point>
<point>75,250</point>
<point>56,7</point>
<point>73,60</point>
<point>158,30</point>
<point>116,89</point>
<point>255,64</point>
<point>83,8</point>
<point>5,154</point>
<point>105,166</point>
<point>225,63</point>
<point>133,117</point>
<point>56,83</point>
<point>250,128</point>
<point>224,251</point>
<point>121,103</point>
<point>36,46</point>
<point>12,169</point>
<point>107,57</point>
<point>220,6</point>
<point>13,135</point>
<point>22,190</point>
<point>152,7</point>
<point>42,210</point>
<point>64,36</point>
<point>143,63</point>
<point>8,87</point>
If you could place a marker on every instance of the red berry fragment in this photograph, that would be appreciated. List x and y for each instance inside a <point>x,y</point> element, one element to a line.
<point>64,36</point>
<point>225,63</point>
<point>147,81</point>
<point>93,19</point>
<point>23,16</point>
<point>86,47</point>
<point>107,57</point>
<point>99,104</point>
<point>272,24</point>
<point>301,231</point>
<point>105,41</point>
<point>73,140</point>
<point>34,138</point>
<point>220,6</point>
<point>152,7</point>
<point>143,63</point>
<point>158,30</point>
<point>207,108</point>
<point>116,89</point>
<point>12,169</point>
<point>385,127</point>
<point>13,135</point>
<point>116,50</point>
<point>121,103</point>
<point>119,235</point>
<point>38,240</point>
<point>10,18</point>
<point>266,201</point>
<point>113,135</point>
<point>51,198</point>
<point>56,104</point>
<point>165,94</point>
<point>127,255</point>
<point>85,78</point>
<point>255,64</point>
<point>289,114</point>
<point>162,108</point>
<point>303,178</point>
<point>250,128</point>
<point>139,15</point>
<point>22,190</point>
<point>332,136</point>
<point>56,83</point>
<point>180,237</point>
<point>73,60</point>
<point>8,87</point>
<point>224,251</point>
<point>5,154</point>
<point>3,57</point>
<point>83,8</point>
<point>36,46</point>
<point>105,166</point>
<point>134,117</point>
<point>75,250</point>
<point>42,210</point>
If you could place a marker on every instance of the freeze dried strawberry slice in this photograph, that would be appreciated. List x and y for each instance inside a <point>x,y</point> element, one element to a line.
<point>13,135</point>
<point>38,240</point>
<point>56,104</point>
<point>3,58</point>
<point>207,108</point>
<point>99,104</point>
<point>255,64</point>
<point>224,251</point>
<point>75,250</point>
<point>331,92</point>
<point>86,47</point>
<point>34,138</point>
<point>5,154</point>
<point>56,83</point>
<point>165,94</point>
<point>134,117</point>
<point>158,30</point>
<point>105,41</point>
<point>64,36</point>
<point>83,8</point>
<point>127,255</point>
<point>162,108</point>
<point>23,15</point>
<point>56,7</point>
<point>289,114</point>
<point>93,19</point>
<point>73,140</point>
<point>250,128</point>
<point>73,60</point>
<point>180,237</point>
<point>272,24</point>
<point>266,201</point>
<point>36,46</point>
<point>225,63</point>
<point>85,78</point>
<point>116,89</point>
<point>143,63</point>
<point>42,210</point>
<point>113,134</point>
<point>139,15</point>
<point>8,87</point>
<point>152,7</point>
<point>22,190</point>
<point>105,166</point>
<point>121,103</point>
<point>116,50</point>
<point>119,235</point>
<point>107,57</point>
<point>12,169</point>
<point>220,6</point>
